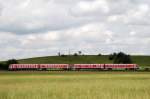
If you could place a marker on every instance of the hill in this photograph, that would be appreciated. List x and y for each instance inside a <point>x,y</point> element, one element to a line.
<point>140,60</point>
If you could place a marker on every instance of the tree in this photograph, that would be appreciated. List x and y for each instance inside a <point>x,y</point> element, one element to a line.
<point>63,55</point>
<point>79,52</point>
<point>112,56</point>
<point>127,59</point>
<point>120,58</point>
<point>5,65</point>
<point>75,54</point>
<point>11,61</point>
<point>2,66</point>
<point>99,54</point>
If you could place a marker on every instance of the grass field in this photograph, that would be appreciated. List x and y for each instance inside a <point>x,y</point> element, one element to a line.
<point>140,60</point>
<point>74,85</point>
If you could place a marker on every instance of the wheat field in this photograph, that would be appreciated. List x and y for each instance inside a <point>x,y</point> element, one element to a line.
<point>74,85</point>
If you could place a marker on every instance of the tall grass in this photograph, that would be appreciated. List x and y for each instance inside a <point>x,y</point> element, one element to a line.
<point>78,85</point>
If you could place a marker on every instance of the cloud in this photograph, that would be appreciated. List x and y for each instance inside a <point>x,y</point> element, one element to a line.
<point>44,27</point>
<point>91,6</point>
<point>32,16</point>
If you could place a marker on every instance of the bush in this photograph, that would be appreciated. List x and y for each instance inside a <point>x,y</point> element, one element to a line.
<point>111,57</point>
<point>99,54</point>
<point>75,54</point>
<point>5,66</point>
<point>63,55</point>
<point>12,61</point>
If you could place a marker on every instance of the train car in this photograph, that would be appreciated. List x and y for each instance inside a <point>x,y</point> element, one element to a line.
<point>54,66</point>
<point>73,67</point>
<point>23,66</point>
<point>121,66</point>
<point>88,66</point>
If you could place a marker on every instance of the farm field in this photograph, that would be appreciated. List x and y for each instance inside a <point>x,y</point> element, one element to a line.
<point>74,85</point>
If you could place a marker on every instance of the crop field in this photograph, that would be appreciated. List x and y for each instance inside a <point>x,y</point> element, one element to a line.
<point>74,85</point>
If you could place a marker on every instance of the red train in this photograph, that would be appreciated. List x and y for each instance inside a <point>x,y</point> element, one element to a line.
<point>73,67</point>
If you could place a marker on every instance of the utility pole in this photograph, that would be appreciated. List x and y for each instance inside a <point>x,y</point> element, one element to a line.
<point>69,59</point>
<point>69,56</point>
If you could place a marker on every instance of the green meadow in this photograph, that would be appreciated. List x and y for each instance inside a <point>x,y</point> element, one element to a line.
<point>88,59</point>
<point>74,85</point>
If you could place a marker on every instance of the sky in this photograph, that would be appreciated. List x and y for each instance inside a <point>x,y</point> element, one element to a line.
<point>31,28</point>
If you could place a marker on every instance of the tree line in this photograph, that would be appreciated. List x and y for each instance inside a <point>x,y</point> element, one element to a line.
<point>5,65</point>
<point>117,58</point>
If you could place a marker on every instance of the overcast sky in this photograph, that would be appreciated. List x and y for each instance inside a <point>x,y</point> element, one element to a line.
<point>30,28</point>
